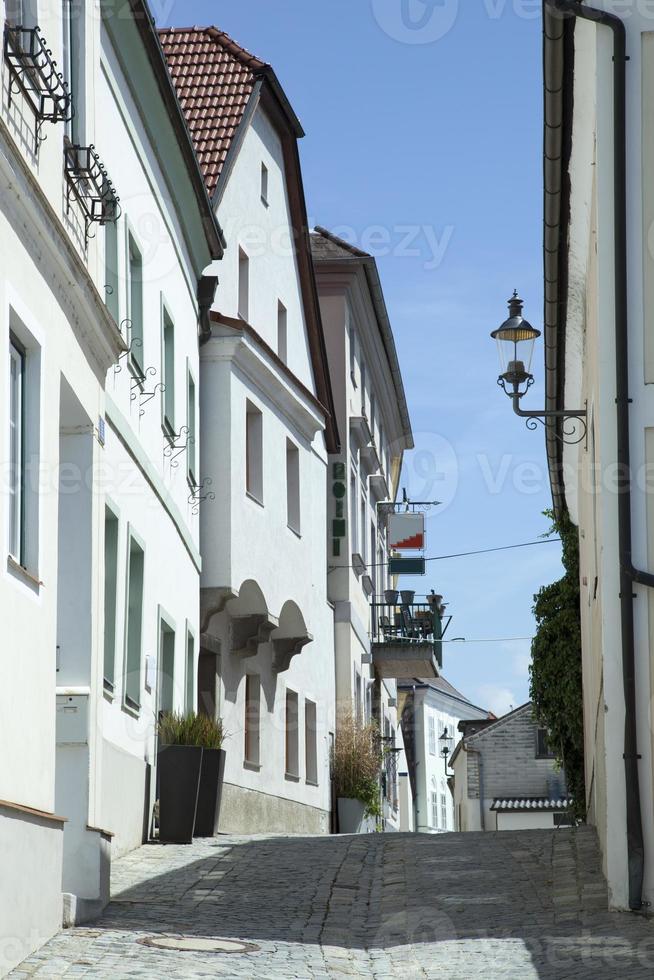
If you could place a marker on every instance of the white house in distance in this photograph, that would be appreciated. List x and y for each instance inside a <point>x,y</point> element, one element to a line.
<point>599,349</point>
<point>373,422</point>
<point>431,712</point>
<point>506,777</point>
<point>267,427</point>
<point>100,535</point>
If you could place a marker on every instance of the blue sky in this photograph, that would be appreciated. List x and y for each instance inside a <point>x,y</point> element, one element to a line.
<point>423,145</point>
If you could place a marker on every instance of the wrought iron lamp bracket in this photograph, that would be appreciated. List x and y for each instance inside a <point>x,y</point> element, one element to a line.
<point>135,342</point>
<point>570,435</point>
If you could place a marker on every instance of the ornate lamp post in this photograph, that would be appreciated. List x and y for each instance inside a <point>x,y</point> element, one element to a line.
<point>446,742</point>
<point>515,340</point>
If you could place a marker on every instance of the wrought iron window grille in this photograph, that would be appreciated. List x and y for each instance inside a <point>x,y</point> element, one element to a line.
<point>180,442</point>
<point>33,71</point>
<point>89,183</point>
<point>200,492</point>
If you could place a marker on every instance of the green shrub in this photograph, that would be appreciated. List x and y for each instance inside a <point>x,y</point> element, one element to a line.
<point>555,672</point>
<point>356,762</point>
<point>191,729</point>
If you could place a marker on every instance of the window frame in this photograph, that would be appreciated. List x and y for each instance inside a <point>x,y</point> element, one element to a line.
<point>111,515</point>
<point>543,751</point>
<point>166,627</point>
<point>243,285</point>
<point>192,425</point>
<point>282,332</point>
<point>252,723</point>
<point>291,734</point>
<point>136,351</point>
<point>190,703</point>
<point>310,742</point>
<point>167,410</point>
<point>293,488</point>
<point>254,454</point>
<point>17,505</point>
<point>130,704</point>
<point>265,183</point>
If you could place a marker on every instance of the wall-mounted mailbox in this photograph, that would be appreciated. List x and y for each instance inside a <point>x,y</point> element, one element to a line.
<point>72,719</point>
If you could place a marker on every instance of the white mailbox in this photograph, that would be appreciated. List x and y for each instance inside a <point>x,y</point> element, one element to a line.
<point>72,719</point>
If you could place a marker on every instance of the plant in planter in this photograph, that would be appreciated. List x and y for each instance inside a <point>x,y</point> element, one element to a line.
<point>356,766</point>
<point>212,734</point>
<point>188,785</point>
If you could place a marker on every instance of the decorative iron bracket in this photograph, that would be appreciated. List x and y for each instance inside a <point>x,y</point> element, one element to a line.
<point>570,435</point>
<point>200,492</point>
<point>173,449</point>
<point>33,71</point>
<point>134,343</point>
<point>89,183</point>
<point>137,386</point>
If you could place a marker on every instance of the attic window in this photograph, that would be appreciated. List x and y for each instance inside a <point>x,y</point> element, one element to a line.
<point>543,750</point>
<point>264,184</point>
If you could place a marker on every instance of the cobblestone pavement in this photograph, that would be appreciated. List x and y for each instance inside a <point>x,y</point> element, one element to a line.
<point>454,907</point>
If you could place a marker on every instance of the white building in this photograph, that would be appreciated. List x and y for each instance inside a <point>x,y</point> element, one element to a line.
<point>267,426</point>
<point>431,713</point>
<point>599,306</point>
<point>506,777</point>
<point>373,422</point>
<point>101,538</point>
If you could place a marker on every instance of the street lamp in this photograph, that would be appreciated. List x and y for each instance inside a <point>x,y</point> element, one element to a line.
<point>516,339</point>
<point>446,743</point>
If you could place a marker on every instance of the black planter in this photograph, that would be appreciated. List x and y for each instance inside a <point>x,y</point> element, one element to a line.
<point>179,769</point>
<point>211,788</point>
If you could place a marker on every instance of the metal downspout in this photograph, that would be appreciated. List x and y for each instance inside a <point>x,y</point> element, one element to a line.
<point>628,573</point>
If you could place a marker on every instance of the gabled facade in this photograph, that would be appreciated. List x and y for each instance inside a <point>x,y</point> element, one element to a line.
<point>373,421</point>
<point>267,426</point>
<point>599,307</point>
<point>506,777</point>
<point>431,712</point>
<point>98,530</point>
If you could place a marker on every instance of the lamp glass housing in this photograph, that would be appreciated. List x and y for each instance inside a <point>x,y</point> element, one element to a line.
<point>515,342</point>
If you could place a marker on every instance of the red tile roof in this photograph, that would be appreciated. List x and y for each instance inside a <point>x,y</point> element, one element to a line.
<point>214,78</point>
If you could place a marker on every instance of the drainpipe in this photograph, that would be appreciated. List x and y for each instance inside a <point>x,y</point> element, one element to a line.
<point>206,292</point>
<point>480,764</point>
<point>628,573</point>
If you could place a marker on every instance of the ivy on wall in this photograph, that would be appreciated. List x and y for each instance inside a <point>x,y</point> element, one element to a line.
<point>555,671</point>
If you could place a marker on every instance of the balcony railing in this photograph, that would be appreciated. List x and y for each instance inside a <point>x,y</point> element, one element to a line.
<point>89,183</point>
<point>33,71</point>
<point>406,639</point>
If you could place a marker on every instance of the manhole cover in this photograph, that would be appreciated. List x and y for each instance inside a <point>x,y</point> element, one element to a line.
<point>198,944</point>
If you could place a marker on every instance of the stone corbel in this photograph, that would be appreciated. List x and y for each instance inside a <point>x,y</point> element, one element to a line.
<point>212,602</point>
<point>248,632</point>
<point>287,647</point>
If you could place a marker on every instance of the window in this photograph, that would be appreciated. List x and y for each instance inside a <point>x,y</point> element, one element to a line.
<point>243,285</point>
<point>282,332</point>
<point>110,589</point>
<point>252,712</point>
<point>168,371</point>
<point>111,281</point>
<point>443,811</point>
<point>564,819</point>
<point>373,410</point>
<point>190,673</point>
<point>264,184</point>
<point>543,750</point>
<point>363,551</point>
<point>310,742</point>
<point>166,667</point>
<point>133,635</point>
<point>352,340</point>
<point>254,452</point>
<point>293,486</point>
<point>434,809</point>
<point>16,451</point>
<point>432,735</point>
<point>73,65</point>
<point>292,735</point>
<point>358,706</point>
<point>353,513</point>
<point>373,562</point>
<point>135,304</point>
<point>21,13</point>
<point>363,388</point>
<point>191,421</point>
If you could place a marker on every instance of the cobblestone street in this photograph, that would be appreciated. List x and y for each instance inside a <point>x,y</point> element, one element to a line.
<point>459,906</point>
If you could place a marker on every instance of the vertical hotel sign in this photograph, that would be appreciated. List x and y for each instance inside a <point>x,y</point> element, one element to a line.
<point>339,525</point>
